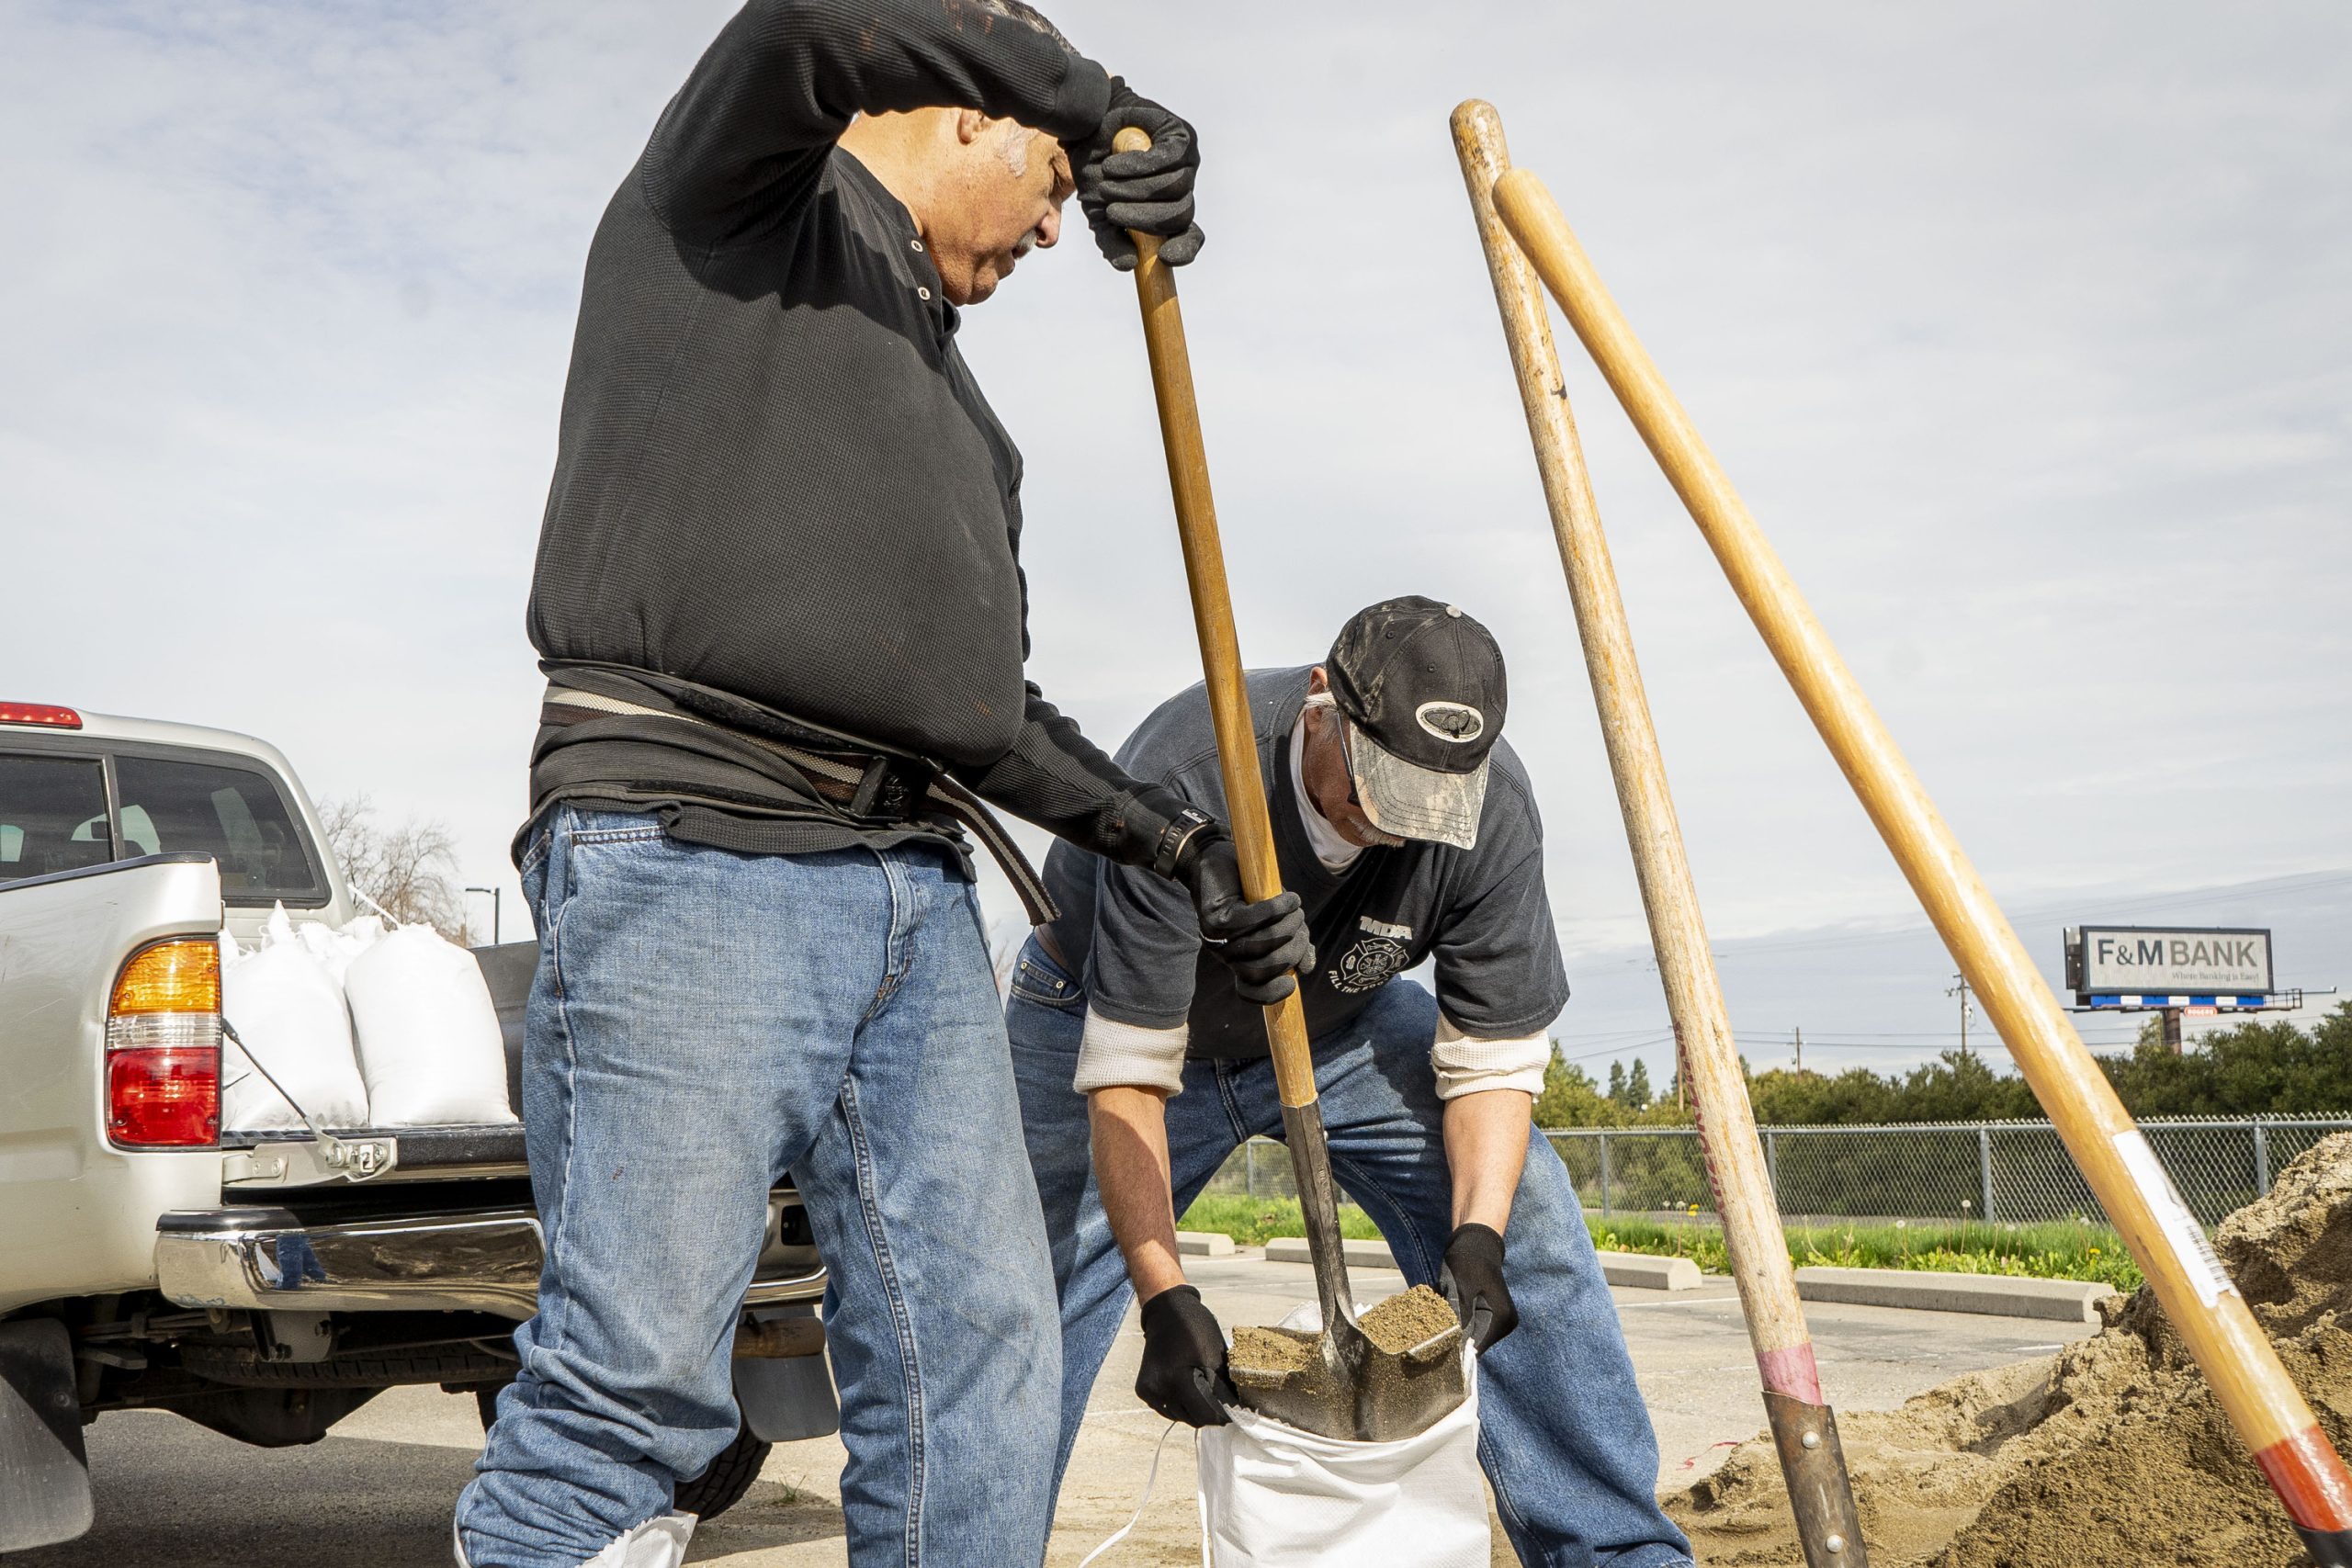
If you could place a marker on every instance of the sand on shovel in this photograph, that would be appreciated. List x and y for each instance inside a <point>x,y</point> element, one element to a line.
<point>1264,1356</point>
<point>2110,1454</point>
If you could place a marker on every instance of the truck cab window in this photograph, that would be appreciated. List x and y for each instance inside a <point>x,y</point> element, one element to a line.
<point>52,816</point>
<point>234,815</point>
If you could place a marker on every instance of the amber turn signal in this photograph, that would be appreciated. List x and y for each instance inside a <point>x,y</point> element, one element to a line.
<point>182,976</point>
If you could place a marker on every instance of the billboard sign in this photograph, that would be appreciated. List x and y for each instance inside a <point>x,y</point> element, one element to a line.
<point>2161,960</point>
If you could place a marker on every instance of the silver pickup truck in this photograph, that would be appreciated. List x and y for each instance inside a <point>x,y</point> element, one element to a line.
<point>264,1285</point>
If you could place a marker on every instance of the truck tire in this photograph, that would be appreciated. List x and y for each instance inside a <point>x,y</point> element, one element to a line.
<point>707,1496</point>
<point>731,1475</point>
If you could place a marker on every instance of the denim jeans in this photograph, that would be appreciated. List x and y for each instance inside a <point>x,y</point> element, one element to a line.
<point>702,1025</point>
<point>1565,1440</point>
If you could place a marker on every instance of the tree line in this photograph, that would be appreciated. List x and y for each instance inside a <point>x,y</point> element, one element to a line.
<point>2256,1068</point>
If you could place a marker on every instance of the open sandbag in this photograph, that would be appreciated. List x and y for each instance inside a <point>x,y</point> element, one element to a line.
<point>289,1011</point>
<point>1274,1497</point>
<point>428,1038</point>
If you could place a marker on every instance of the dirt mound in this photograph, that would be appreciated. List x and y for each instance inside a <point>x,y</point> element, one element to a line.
<point>2110,1454</point>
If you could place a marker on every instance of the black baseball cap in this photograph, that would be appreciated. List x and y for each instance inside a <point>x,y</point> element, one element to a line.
<point>1420,684</point>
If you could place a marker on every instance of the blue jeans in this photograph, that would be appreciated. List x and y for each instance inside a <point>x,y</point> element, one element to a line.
<point>702,1025</point>
<point>1565,1440</point>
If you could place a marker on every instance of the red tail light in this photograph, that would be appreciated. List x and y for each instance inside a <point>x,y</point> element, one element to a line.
<point>163,1048</point>
<point>165,1097</point>
<point>40,713</point>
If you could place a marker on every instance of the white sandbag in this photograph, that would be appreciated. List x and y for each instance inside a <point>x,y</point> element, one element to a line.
<point>1273,1497</point>
<point>336,949</point>
<point>429,1046</point>
<point>282,1003</point>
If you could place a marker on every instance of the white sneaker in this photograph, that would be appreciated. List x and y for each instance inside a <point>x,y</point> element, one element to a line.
<point>657,1543</point>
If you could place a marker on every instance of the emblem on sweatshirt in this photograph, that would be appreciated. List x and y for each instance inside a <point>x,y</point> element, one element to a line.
<point>1369,964</point>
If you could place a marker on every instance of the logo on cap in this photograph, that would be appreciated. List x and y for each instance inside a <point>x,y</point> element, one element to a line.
<point>1456,722</point>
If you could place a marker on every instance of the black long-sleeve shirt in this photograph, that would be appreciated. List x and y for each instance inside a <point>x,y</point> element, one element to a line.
<point>776,478</point>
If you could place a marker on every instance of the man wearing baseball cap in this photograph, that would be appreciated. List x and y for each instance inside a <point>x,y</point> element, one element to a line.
<point>1409,831</point>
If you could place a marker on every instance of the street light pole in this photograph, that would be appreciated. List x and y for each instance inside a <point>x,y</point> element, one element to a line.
<point>497,902</point>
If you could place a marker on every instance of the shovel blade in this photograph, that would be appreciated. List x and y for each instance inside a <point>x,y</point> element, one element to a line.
<point>1353,1390</point>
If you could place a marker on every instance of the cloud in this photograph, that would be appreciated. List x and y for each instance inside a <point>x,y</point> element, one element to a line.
<point>2021,330</point>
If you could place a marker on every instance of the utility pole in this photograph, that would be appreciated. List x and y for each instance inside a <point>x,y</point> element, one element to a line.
<point>1961,991</point>
<point>1800,1031</point>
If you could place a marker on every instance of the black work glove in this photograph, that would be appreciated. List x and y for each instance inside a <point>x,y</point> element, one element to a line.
<point>1472,1284</point>
<point>1151,190</point>
<point>1182,1375</point>
<point>1261,943</point>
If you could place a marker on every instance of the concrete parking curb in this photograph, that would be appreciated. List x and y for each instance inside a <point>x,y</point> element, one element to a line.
<point>2066,1301</point>
<point>1641,1272</point>
<point>1204,1244</point>
<point>1360,1254</point>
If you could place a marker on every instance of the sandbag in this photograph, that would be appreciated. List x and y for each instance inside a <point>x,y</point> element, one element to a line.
<point>283,1004</point>
<point>335,949</point>
<point>429,1046</point>
<point>1273,1497</point>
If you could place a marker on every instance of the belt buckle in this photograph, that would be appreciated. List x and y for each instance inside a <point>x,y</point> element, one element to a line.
<point>891,789</point>
<point>871,787</point>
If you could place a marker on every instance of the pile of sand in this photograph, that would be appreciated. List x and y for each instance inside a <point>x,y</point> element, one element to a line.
<point>2110,1454</point>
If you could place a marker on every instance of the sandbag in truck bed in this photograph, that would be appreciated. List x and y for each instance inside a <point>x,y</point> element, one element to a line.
<point>429,1044</point>
<point>287,1009</point>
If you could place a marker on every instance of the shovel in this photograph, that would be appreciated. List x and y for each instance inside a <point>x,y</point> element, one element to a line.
<point>1351,1388</point>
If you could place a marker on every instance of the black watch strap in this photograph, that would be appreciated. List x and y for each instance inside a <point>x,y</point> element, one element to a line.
<point>1182,829</point>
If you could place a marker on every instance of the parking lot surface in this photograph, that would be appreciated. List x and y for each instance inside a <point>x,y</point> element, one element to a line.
<point>377,1492</point>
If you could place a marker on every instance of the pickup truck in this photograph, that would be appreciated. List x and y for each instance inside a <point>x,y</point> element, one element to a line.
<point>262,1284</point>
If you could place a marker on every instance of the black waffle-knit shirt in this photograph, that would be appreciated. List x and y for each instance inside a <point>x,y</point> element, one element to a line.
<point>777,477</point>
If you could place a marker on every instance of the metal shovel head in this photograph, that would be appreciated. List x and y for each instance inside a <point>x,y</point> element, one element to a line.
<point>1351,1389</point>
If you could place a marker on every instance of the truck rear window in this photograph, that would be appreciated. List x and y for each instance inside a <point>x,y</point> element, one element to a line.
<point>52,816</point>
<point>234,815</point>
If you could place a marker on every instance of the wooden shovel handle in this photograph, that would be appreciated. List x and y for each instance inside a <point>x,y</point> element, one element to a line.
<point>2165,1240</point>
<point>1237,737</point>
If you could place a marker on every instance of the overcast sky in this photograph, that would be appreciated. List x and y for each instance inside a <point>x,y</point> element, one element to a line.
<point>2023,329</point>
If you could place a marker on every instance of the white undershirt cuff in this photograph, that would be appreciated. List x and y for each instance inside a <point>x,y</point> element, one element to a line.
<point>1464,1065</point>
<point>1112,1055</point>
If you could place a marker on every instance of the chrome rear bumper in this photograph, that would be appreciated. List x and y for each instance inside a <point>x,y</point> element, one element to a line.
<point>484,1260</point>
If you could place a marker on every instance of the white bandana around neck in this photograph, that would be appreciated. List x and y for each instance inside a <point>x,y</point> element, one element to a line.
<point>1329,846</point>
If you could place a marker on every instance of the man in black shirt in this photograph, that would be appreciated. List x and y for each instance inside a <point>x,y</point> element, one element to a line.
<point>1410,829</point>
<point>780,607</point>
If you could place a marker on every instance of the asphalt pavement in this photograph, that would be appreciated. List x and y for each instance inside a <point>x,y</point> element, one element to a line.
<point>377,1492</point>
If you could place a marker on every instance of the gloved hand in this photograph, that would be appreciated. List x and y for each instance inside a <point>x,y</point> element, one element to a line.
<point>1472,1284</point>
<point>1152,191</point>
<point>1261,943</point>
<point>1182,1375</point>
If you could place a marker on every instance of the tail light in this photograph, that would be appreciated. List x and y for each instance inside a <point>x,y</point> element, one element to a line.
<point>163,1048</point>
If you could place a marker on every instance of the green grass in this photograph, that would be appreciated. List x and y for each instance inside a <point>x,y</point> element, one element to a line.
<point>2060,1250</point>
<point>1251,1221</point>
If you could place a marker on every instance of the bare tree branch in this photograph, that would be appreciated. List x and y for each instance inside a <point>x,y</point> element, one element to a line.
<point>410,870</point>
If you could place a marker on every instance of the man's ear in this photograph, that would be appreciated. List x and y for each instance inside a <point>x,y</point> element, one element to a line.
<point>1317,681</point>
<point>970,124</point>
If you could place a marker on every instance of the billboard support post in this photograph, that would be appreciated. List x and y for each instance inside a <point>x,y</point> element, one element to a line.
<point>2207,1309</point>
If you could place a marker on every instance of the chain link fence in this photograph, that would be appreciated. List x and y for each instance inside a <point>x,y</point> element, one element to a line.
<point>2005,1172</point>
